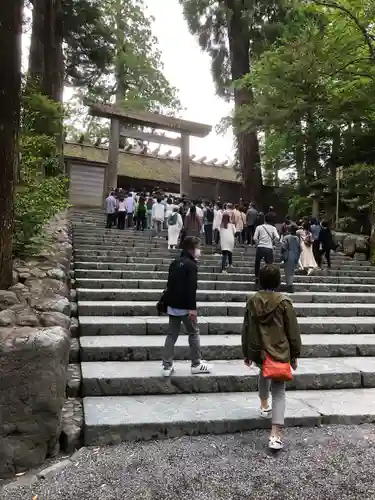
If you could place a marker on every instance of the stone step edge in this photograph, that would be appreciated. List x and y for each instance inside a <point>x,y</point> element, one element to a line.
<point>149,347</point>
<point>110,420</point>
<point>213,282</point>
<point>156,291</point>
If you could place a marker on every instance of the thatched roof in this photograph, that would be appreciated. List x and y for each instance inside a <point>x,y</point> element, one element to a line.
<point>147,167</point>
<point>153,120</point>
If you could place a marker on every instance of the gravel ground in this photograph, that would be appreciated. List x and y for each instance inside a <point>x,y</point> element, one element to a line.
<point>327,463</point>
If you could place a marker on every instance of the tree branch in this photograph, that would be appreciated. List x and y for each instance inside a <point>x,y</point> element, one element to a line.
<point>367,37</point>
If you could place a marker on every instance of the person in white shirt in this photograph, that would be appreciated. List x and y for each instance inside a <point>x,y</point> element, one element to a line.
<point>265,238</point>
<point>121,206</point>
<point>227,232</point>
<point>174,228</point>
<point>130,206</point>
<point>218,215</point>
<point>170,206</point>
<point>158,214</point>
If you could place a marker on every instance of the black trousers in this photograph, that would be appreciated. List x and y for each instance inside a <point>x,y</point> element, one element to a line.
<point>250,230</point>
<point>141,222</point>
<point>121,220</point>
<point>208,234</point>
<point>327,254</point>
<point>226,259</point>
<point>217,236</point>
<point>111,220</point>
<point>262,253</point>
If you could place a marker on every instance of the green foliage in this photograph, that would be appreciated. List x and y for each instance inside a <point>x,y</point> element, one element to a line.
<point>133,75</point>
<point>298,206</point>
<point>42,190</point>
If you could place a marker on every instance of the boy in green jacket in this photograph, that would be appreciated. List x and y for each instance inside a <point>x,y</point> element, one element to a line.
<point>270,326</point>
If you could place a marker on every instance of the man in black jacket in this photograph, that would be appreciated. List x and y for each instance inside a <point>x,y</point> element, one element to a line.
<point>181,299</point>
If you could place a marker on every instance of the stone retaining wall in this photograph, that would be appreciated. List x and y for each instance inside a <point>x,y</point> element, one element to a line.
<point>353,245</point>
<point>35,340</point>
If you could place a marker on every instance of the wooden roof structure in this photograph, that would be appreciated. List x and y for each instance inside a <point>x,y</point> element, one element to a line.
<point>148,166</point>
<point>147,119</point>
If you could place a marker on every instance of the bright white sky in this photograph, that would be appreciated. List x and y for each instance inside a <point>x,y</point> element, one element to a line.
<point>189,70</point>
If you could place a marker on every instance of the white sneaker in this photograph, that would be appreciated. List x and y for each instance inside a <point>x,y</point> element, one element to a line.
<point>167,372</point>
<point>266,412</point>
<point>203,368</point>
<point>275,443</point>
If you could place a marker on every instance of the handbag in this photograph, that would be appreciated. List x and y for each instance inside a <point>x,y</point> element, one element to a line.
<point>276,370</point>
<point>162,305</point>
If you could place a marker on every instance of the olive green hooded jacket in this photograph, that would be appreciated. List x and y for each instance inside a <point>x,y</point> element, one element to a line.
<point>270,324</point>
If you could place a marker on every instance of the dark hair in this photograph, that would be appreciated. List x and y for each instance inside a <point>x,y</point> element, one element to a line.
<point>111,193</point>
<point>225,220</point>
<point>169,201</point>
<point>268,218</point>
<point>306,225</point>
<point>193,210</point>
<point>158,199</point>
<point>190,243</point>
<point>261,218</point>
<point>293,228</point>
<point>219,205</point>
<point>270,277</point>
<point>325,224</point>
<point>314,221</point>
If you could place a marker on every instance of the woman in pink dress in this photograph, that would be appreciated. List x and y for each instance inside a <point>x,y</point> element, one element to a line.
<point>307,260</point>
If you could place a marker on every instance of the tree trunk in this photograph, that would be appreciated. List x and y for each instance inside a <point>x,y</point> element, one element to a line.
<point>333,161</point>
<point>248,144</point>
<point>10,88</point>
<point>311,153</point>
<point>46,64</point>
<point>116,142</point>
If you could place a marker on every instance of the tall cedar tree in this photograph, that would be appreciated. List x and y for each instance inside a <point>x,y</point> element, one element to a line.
<point>232,31</point>
<point>10,88</point>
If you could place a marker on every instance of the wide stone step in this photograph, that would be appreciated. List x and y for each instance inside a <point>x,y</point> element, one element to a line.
<point>209,269</point>
<point>232,276</point>
<point>218,325</point>
<point>114,294</point>
<point>112,378</point>
<point>150,347</point>
<point>147,308</point>
<point>162,251</point>
<point>110,420</point>
<point>240,263</point>
<point>144,284</point>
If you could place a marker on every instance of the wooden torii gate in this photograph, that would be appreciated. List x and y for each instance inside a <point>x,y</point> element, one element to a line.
<point>122,119</point>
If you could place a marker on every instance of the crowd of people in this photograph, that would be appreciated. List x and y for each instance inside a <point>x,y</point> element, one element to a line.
<point>270,339</point>
<point>225,226</point>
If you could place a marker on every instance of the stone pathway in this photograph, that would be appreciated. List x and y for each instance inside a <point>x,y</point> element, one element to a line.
<point>119,277</point>
<point>328,463</point>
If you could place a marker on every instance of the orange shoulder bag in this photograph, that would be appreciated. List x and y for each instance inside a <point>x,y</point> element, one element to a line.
<point>276,370</point>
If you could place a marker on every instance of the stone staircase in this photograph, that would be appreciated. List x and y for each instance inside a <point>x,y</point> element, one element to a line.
<point>119,277</point>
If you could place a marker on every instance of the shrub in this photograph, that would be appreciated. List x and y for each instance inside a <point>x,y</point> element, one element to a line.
<point>42,189</point>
